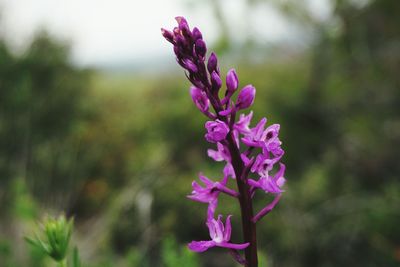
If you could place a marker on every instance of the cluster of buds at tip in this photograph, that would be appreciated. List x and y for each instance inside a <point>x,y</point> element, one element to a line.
<point>251,154</point>
<point>190,50</point>
<point>55,237</point>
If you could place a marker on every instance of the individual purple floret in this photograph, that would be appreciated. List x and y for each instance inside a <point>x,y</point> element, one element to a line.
<point>270,184</point>
<point>210,191</point>
<point>250,154</point>
<point>220,236</point>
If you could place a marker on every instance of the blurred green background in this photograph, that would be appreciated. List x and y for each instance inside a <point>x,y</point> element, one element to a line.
<point>118,149</point>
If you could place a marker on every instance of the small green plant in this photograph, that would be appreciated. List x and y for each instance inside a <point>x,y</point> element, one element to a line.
<point>53,241</point>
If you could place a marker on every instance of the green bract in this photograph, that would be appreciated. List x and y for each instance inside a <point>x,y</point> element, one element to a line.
<point>56,234</point>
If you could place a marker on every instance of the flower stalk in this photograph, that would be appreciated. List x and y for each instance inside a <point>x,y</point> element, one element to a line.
<point>250,154</point>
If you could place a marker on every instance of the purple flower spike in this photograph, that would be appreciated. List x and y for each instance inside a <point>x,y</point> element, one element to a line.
<point>246,97</point>
<point>232,81</point>
<point>220,236</point>
<point>216,131</point>
<point>245,151</point>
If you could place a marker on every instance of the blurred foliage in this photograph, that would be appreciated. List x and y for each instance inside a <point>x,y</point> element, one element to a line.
<point>119,152</point>
<point>173,256</point>
<point>41,99</point>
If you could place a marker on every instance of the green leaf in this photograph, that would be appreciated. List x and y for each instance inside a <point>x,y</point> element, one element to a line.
<point>75,258</point>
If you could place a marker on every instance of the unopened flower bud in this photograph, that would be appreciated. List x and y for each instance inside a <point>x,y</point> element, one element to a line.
<point>190,66</point>
<point>169,36</point>
<point>196,34</point>
<point>215,81</point>
<point>212,63</point>
<point>232,81</point>
<point>216,131</point>
<point>246,97</point>
<point>200,99</point>
<point>183,26</point>
<point>180,41</point>
<point>200,47</point>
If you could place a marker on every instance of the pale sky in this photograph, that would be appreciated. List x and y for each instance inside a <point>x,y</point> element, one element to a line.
<point>107,31</point>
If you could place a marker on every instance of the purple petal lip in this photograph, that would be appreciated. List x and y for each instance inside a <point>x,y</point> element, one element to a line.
<point>233,246</point>
<point>201,246</point>
<point>220,236</point>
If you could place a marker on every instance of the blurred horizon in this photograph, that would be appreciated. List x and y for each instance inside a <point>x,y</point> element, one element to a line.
<point>124,33</point>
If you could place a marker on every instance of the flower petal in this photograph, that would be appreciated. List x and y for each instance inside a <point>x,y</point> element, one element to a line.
<point>207,182</point>
<point>201,246</point>
<point>233,246</point>
<point>228,228</point>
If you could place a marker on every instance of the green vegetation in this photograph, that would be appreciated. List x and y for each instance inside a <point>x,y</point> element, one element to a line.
<point>55,240</point>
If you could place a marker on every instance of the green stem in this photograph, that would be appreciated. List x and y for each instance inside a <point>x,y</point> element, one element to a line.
<point>63,263</point>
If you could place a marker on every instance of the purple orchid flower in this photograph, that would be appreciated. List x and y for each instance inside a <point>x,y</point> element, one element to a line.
<point>210,190</point>
<point>220,236</point>
<point>271,184</point>
<point>263,164</point>
<point>246,151</point>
